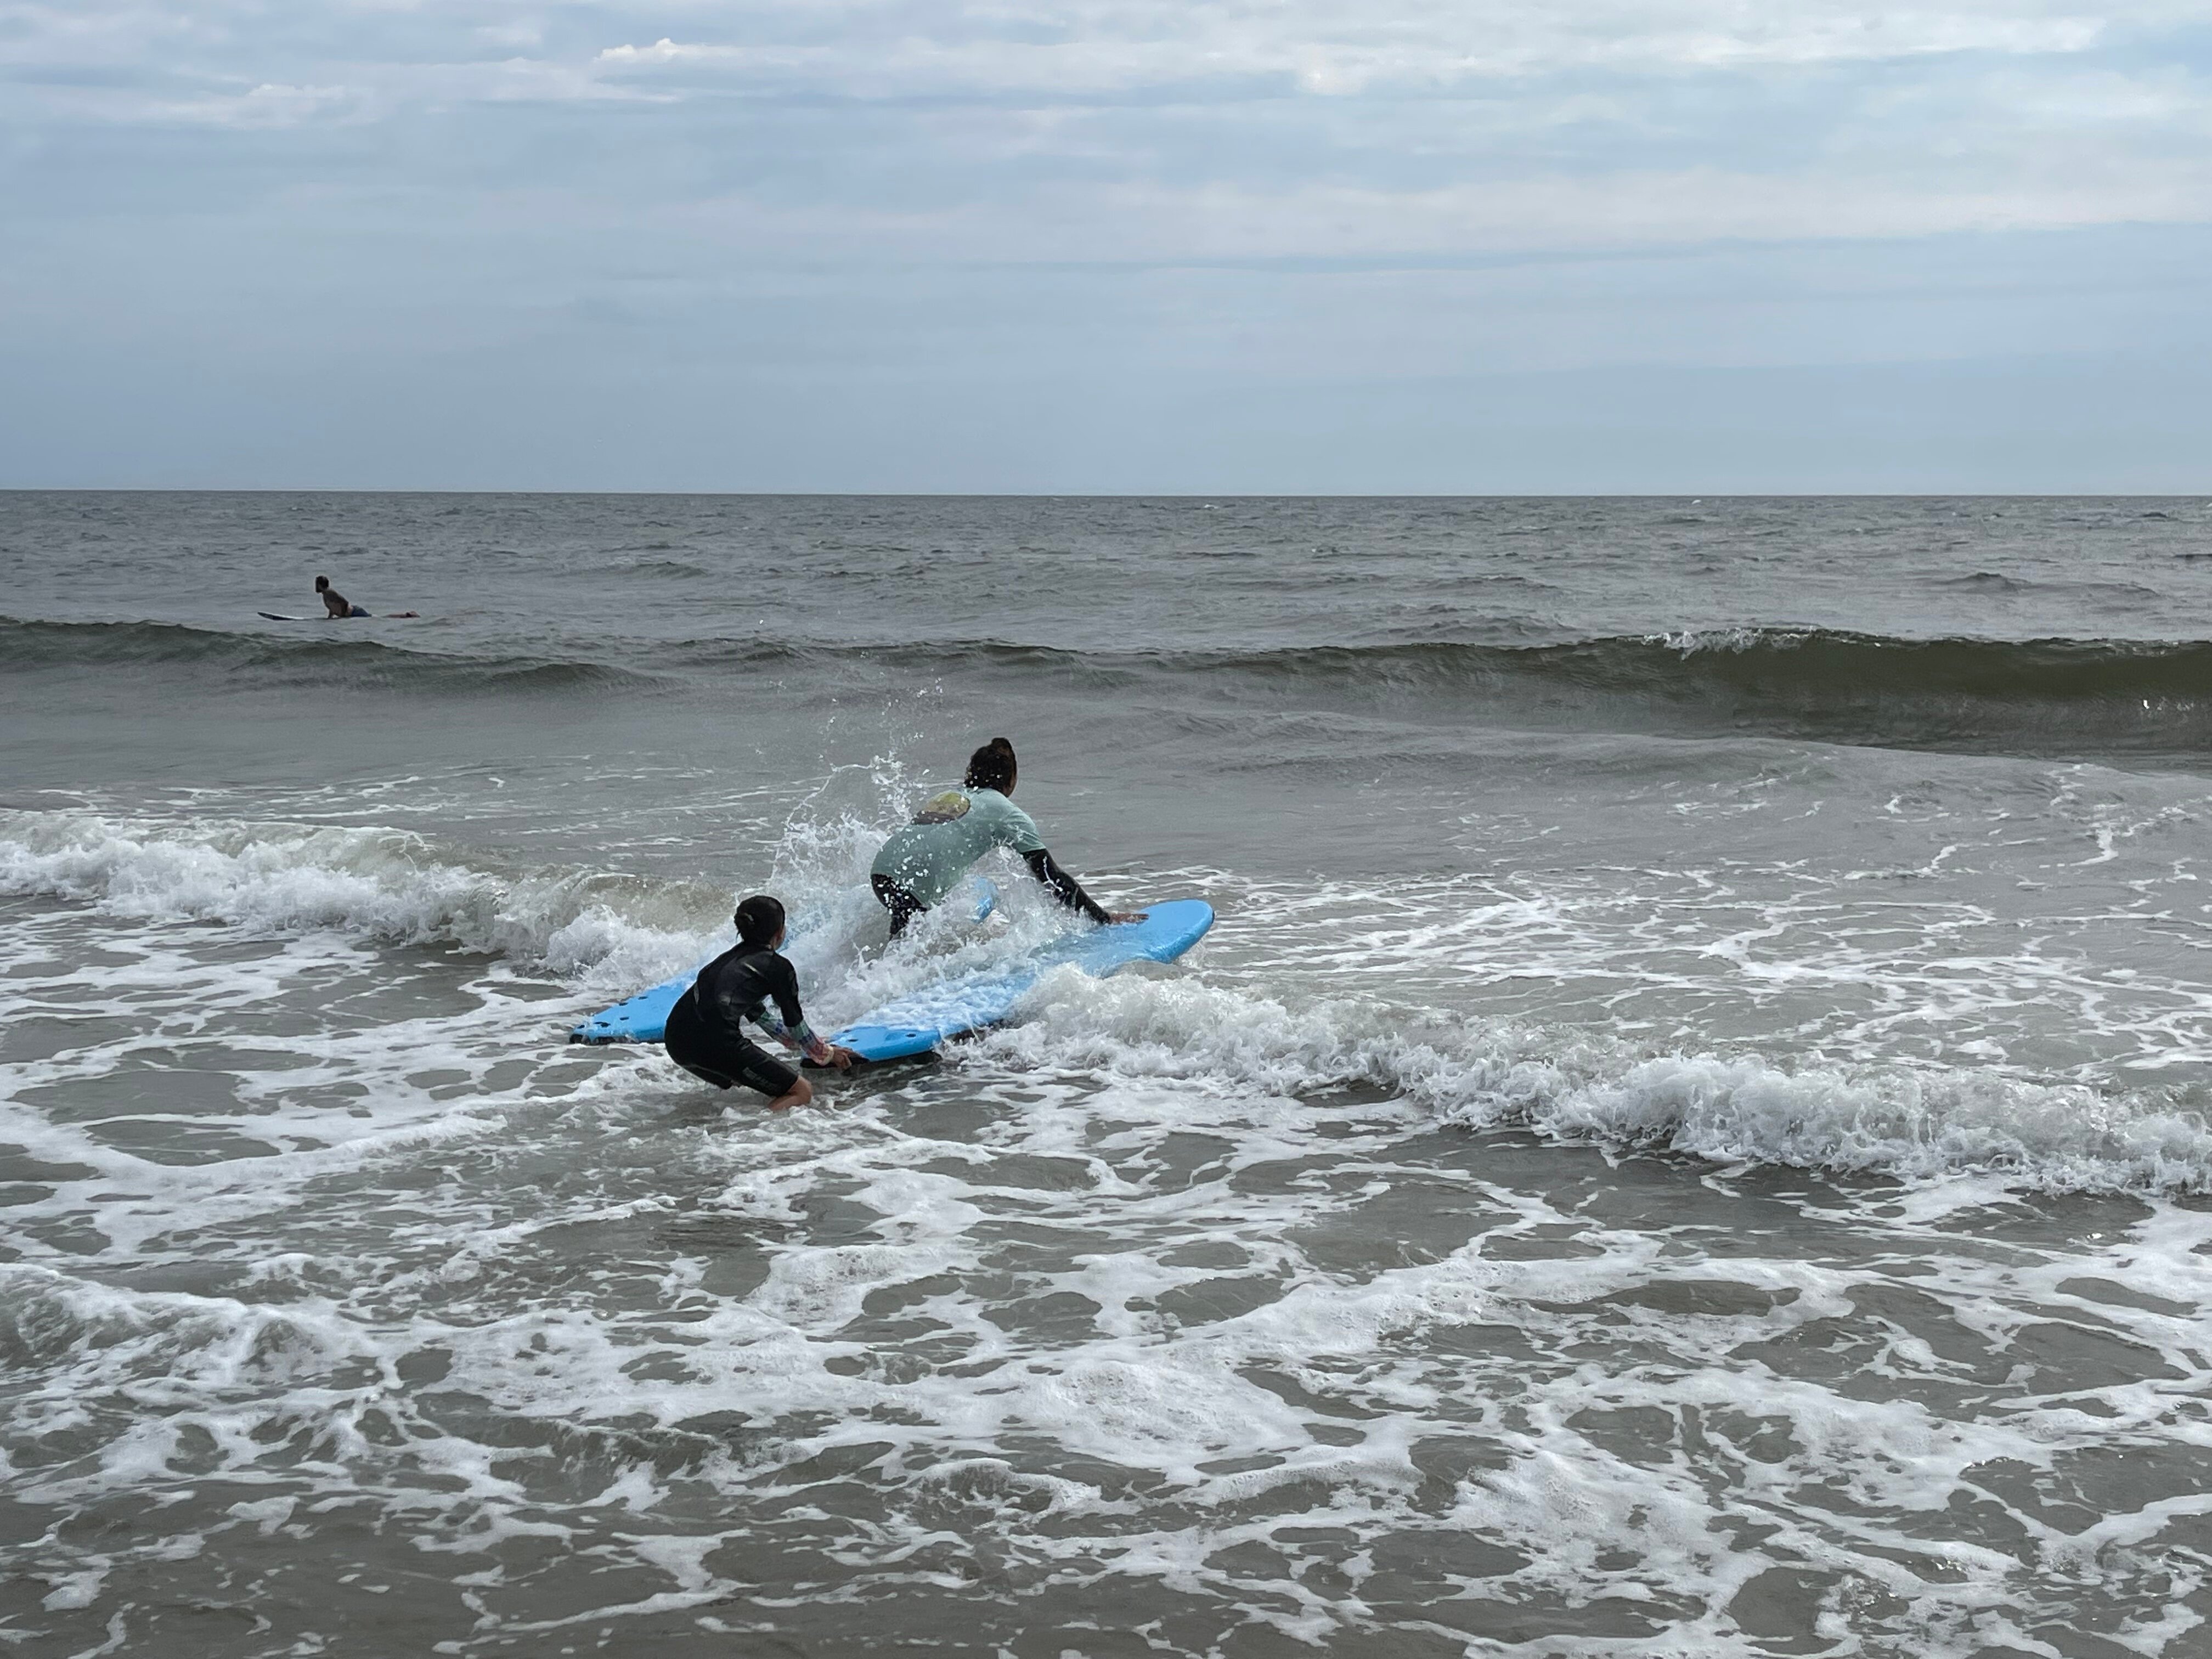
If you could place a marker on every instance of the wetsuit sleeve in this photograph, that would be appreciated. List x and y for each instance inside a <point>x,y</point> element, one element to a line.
<point>1065,887</point>
<point>792,1028</point>
<point>798,1034</point>
<point>782,981</point>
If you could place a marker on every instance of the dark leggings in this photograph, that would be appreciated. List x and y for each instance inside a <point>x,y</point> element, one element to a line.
<point>903,906</point>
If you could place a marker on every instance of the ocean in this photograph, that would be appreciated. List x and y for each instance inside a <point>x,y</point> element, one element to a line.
<point>1687,1137</point>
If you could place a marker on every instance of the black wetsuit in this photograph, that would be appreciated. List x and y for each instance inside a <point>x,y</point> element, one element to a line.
<point>704,1033</point>
<point>1065,887</point>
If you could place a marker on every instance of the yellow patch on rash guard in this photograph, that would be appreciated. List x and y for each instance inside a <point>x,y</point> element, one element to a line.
<point>930,855</point>
<point>944,809</point>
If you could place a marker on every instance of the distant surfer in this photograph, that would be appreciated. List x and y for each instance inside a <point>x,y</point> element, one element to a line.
<point>923,862</point>
<point>705,1035</point>
<point>336,605</point>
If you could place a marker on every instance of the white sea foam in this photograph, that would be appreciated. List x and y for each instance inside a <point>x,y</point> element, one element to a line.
<point>611,934</point>
<point>1113,1297</point>
<point>385,885</point>
<point>396,886</point>
<point>1912,1123</point>
<point>901,1355</point>
<point>1321,1413</point>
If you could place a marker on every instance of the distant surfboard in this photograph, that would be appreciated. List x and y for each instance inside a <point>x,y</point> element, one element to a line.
<point>644,1018</point>
<point>916,1024</point>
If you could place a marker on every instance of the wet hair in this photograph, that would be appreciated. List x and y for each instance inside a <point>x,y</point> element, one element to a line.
<point>321,582</point>
<point>759,919</point>
<point>991,767</point>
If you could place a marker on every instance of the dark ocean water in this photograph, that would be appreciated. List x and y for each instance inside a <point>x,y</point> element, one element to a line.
<point>1688,1139</point>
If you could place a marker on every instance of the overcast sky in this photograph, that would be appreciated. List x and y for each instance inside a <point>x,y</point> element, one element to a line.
<point>1368,246</point>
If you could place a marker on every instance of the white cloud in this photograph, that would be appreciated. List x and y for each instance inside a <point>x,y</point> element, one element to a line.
<point>272,104</point>
<point>1259,127</point>
<point>1540,212</point>
<point>510,34</point>
<point>531,210</point>
<point>1335,49</point>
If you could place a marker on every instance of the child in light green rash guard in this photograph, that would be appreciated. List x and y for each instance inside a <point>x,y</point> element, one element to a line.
<point>923,862</point>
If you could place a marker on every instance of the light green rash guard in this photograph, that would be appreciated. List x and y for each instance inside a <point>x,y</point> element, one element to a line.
<point>951,831</point>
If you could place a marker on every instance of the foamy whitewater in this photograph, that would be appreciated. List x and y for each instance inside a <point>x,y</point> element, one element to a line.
<point>1687,1137</point>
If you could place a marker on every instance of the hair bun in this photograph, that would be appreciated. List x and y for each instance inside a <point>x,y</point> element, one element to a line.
<point>991,767</point>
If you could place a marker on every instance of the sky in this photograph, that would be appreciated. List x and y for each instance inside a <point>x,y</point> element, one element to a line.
<point>1274,246</point>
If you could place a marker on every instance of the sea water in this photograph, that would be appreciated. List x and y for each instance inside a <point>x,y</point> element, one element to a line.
<point>1687,1137</point>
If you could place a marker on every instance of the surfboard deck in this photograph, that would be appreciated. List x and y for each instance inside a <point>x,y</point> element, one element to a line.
<point>917,1023</point>
<point>278,616</point>
<point>644,1018</point>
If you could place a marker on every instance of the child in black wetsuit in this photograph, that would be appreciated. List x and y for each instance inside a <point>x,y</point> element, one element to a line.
<point>705,1037</point>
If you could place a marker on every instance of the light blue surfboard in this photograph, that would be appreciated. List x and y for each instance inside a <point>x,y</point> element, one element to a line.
<point>917,1023</point>
<point>644,1018</point>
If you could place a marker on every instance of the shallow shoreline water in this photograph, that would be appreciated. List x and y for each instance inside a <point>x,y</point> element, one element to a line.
<point>1687,1137</point>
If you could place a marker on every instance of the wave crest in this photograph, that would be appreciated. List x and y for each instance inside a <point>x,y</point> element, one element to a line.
<point>317,659</point>
<point>1895,1122</point>
<point>2060,697</point>
<point>388,885</point>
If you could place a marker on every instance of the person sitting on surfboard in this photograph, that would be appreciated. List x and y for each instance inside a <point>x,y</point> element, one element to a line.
<point>336,605</point>
<point>705,1035</point>
<point>923,862</point>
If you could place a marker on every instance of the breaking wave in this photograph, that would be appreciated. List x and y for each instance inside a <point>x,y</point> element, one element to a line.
<point>2076,698</point>
<point>382,885</point>
<point>611,933</point>
<point>2055,696</point>
<point>1896,1123</point>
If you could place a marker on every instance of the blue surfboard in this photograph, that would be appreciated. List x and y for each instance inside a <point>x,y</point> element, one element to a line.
<point>644,1018</point>
<point>641,1018</point>
<point>917,1023</point>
